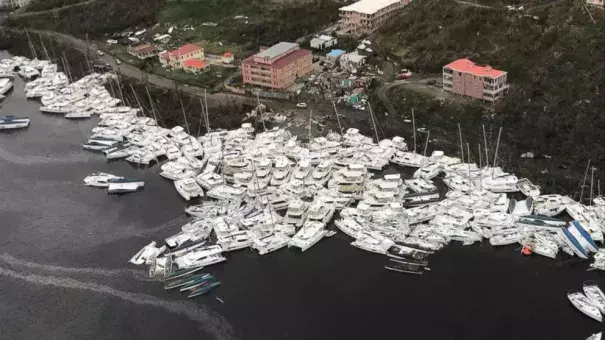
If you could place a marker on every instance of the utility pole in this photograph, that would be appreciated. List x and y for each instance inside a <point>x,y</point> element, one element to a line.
<point>337,118</point>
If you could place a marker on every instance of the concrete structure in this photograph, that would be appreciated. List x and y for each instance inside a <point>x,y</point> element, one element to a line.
<point>334,55</point>
<point>468,79</point>
<point>227,58</point>
<point>142,51</point>
<point>277,67</point>
<point>352,61</point>
<point>194,65</point>
<point>162,39</point>
<point>14,3</point>
<point>600,3</point>
<point>323,41</point>
<point>175,59</point>
<point>365,16</point>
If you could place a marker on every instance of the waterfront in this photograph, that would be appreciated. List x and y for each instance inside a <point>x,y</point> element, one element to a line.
<point>52,224</point>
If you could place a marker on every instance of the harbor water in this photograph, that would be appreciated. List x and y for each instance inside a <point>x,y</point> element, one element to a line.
<point>63,270</point>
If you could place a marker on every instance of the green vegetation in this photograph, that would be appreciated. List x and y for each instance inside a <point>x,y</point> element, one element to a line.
<point>45,5</point>
<point>96,18</point>
<point>555,59</point>
<point>263,23</point>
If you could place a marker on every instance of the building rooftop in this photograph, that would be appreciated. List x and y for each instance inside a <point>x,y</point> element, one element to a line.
<point>276,50</point>
<point>368,6</point>
<point>336,53</point>
<point>145,48</point>
<point>281,62</point>
<point>326,37</point>
<point>194,63</point>
<point>465,65</point>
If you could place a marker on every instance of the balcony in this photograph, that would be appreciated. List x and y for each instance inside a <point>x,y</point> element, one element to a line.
<point>448,80</point>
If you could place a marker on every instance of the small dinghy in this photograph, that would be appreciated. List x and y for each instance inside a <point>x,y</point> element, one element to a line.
<point>594,294</point>
<point>584,305</point>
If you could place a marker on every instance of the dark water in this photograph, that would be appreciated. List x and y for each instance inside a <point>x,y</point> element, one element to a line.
<point>63,271</point>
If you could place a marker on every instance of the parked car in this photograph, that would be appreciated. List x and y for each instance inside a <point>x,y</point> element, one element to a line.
<point>118,61</point>
<point>301,105</point>
<point>99,52</point>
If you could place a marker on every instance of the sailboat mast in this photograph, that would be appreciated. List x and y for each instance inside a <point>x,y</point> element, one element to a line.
<point>461,147</point>
<point>584,181</point>
<point>337,118</point>
<point>591,183</point>
<point>44,47</point>
<point>207,112</point>
<point>414,129</point>
<point>137,99</point>
<point>485,142</point>
<point>310,124</point>
<point>184,116</point>
<point>373,122</point>
<point>202,117</point>
<point>496,153</point>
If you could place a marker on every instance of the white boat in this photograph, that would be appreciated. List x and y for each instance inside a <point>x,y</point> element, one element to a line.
<point>147,254</point>
<point>584,305</point>
<point>209,180</point>
<point>297,213</point>
<point>5,85</point>
<point>373,242</point>
<point>429,171</point>
<point>99,179</point>
<point>282,171</point>
<point>420,185</point>
<point>236,241</point>
<point>350,226</point>
<point>527,188</point>
<point>302,170</point>
<point>124,185</point>
<point>409,159</point>
<point>78,115</point>
<point>309,235</point>
<point>501,183</point>
<point>226,192</point>
<point>188,188</point>
<point>505,239</point>
<point>12,122</point>
<point>595,336</point>
<point>595,295</point>
<point>270,243</point>
<point>320,212</point>
<point>322,173</point>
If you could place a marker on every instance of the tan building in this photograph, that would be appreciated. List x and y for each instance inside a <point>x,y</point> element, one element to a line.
<point>176,59</point>
<point>365,16</point>
<point>468,79</point>
<point>142,51</point>
<point>277,67</point>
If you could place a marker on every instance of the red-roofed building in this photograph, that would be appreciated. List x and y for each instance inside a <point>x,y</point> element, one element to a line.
<point>176,58</point>
<point>277,67</point>
<point>227,58</point>
<point>142,51</point>
<point>469,79</point>
<point>194,65</point>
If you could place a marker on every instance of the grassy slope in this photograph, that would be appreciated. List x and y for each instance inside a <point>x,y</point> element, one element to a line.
<point>556,67</point>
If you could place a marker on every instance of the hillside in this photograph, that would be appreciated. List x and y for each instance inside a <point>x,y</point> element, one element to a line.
<point>554,54</point>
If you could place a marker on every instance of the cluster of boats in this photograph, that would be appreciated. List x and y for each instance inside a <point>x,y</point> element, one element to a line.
<point>268,190</point>
<point>590,301</point>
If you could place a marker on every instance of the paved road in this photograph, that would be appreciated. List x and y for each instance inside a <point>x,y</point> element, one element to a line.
<point>21,11</point>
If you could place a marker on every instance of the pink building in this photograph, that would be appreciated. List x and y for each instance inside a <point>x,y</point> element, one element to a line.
<point>277,67</point>
<point>365,16</point>
<point>468,79</point>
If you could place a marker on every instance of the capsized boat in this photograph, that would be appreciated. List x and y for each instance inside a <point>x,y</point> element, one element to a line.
<point>203,289</point>
<point>594,294</point>
<point>184,280</point>
<point>584,305</point>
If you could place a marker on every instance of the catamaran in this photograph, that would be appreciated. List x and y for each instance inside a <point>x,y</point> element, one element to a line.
<point>188,188</point>
<point>594,294</point>
<point>5,86</point>
<point>309,235</point>
<point>584,305</point>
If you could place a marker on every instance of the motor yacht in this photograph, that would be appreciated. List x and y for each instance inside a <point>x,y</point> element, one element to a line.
<point>320,212</point>
<point>501,183</point>
<point>420,185</point>
<point>209,180</point>
<point>322,173</point>
<point>147,254</point>
<point>311,233</point>
<point>236,241</point>
<point>421,198</point>
<point>140,157</point>
<point>527,188</point>
<point>429,171</point>
<point>124,185</point>
<point>188,188</point>
<point>351,226</point>
<point>409,159</point>
<point>373,242</point>
<point>303,170</point>
<point>226,192</point>
<point>99,179</point>
<point>297,213</point>
<point>270,243</point>
<point>282,171</point>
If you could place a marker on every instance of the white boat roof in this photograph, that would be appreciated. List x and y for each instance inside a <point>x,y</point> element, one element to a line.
<point>392,176</point>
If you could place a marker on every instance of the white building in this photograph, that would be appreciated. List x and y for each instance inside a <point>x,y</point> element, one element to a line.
<point>323,41</point>
<point>352,61</point>
<point>600,3</point>
<point>14,3</point>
